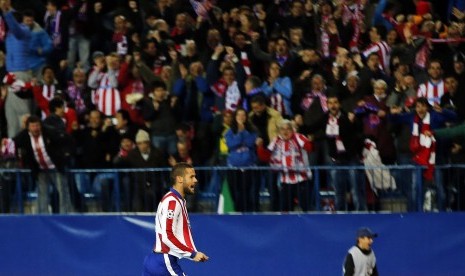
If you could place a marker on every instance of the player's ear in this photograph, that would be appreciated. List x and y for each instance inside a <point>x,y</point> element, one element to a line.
<point>179,178</point>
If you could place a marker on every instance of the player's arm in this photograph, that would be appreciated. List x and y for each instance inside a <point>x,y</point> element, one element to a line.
<point>172,212</point>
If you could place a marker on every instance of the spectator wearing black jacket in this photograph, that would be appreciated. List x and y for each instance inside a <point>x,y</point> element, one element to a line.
<point>47,153</point>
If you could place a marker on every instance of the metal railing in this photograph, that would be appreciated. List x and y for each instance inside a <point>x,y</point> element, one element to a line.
<point>251,189</point>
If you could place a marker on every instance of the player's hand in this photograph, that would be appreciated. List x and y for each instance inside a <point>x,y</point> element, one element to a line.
<point>200,257</point>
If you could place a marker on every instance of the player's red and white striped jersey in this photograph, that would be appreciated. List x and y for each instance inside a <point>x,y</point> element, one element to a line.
<point>172,227</point>
<point>384,52</point>
<point>432,91</point>
<point>290,154</point>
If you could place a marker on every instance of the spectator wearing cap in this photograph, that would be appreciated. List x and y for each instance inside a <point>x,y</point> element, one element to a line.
<point>148,187</point>
<point>361,259</point>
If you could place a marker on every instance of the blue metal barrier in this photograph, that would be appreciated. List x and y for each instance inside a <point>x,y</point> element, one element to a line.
<point>211,180</point>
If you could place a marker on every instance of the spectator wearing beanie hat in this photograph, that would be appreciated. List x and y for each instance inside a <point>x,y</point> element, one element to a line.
<point>147,188</point>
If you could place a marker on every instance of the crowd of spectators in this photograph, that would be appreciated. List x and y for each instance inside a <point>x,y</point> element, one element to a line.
<point>148,83</point>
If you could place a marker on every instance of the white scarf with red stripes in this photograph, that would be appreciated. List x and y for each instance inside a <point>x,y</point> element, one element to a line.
<point>423,146</point>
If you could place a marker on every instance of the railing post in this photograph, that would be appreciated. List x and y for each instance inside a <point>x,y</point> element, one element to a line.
<point>419,188</point>
<point>19,193</point>
<point>117,193</point>
<point>317,189</point>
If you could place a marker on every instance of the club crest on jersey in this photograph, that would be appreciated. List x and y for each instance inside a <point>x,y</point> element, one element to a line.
<point>170,214</point>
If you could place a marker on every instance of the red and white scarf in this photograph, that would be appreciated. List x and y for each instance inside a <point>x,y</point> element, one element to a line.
<point>422,146</point>
<point>353,14</point>
<point>308,99</point>
<point>245,61</point>
<point>231,93</point>
<point>332,130</point>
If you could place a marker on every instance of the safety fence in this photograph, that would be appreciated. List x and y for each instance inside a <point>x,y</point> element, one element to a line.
<point>247,189</point>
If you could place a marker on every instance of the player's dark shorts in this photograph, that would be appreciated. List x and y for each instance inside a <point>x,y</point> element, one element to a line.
<point>161,264</point>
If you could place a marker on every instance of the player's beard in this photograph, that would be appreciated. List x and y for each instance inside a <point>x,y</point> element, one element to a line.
<point>188,190</point>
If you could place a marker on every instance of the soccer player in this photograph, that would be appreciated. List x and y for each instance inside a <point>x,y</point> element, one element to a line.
<point>173,235</point>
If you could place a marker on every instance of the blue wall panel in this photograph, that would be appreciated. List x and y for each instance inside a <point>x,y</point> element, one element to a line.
<point>408,244</point>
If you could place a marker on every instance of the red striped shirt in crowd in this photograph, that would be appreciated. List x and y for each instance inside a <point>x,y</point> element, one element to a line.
<point>432,91</point>
<point>172,227</point>
<point>291,154</point>
<point>106,97</point>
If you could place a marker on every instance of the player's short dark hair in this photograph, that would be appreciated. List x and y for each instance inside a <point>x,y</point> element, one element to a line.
<point>179,170</point>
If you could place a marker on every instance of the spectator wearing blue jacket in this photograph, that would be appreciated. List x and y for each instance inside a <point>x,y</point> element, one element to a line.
<point>40,44</point>
<point>244,184</point>
<point>18,55</point>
